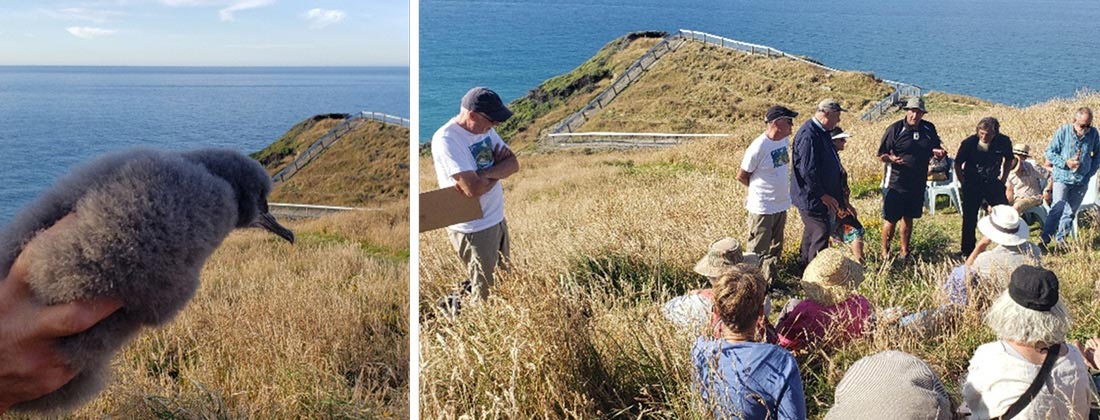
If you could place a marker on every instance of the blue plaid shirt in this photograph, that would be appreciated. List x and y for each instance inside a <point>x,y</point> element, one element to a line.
<point>1065,145</point>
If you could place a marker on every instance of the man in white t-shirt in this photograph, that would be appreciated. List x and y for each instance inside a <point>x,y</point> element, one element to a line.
<point>765,170</point>
<point>469,154</point>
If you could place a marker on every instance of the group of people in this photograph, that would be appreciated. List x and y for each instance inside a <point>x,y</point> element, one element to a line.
<point>746,367</point>
<point>991,170</point>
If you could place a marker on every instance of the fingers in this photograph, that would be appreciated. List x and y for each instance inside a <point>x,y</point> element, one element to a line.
<point>74,317</point>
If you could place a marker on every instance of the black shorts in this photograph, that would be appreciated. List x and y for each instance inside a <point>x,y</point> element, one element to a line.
<point>897,204</point>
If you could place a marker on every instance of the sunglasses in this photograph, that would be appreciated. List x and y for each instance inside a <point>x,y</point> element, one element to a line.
<point>486,117</point>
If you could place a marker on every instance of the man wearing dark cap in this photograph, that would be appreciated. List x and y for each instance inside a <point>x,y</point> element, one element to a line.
<point>765,170</point>
<point>816,183</point>
<point>470,155</point>
<point>906,147</point>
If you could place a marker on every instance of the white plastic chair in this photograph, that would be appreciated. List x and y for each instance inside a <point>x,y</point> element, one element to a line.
<point>949,187</point>
<point>1089,203</point>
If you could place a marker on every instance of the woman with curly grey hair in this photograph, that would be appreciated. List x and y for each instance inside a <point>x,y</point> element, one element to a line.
<point>1029,320</point>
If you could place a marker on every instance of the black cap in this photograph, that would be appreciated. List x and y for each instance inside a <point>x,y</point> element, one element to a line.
<point>481,99</point>
<point>777,112</point>
<point>1034,288</point>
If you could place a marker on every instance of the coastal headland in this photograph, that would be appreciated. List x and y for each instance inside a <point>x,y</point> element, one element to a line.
<point>601,237</point>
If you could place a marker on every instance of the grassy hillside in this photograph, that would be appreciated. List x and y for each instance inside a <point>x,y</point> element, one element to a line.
<point>282,151</point>
<point>705,89</point>
<point>317,329</point>
<point>369,165</point>
<point>601,241</point>
<point>557,98</point>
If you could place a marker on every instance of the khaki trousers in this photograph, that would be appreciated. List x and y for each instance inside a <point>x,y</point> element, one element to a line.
<point>481,251</point>
<point>766,240</point>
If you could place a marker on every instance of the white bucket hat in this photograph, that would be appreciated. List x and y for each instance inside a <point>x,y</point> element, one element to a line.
<point>1004,226</point>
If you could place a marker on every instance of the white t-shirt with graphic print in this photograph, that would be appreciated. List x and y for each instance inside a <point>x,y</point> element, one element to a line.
<point>456,150</point>
<point>769,162</point>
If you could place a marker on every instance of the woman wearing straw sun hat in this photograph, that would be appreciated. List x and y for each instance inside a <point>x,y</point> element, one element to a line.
<point>832,312</point>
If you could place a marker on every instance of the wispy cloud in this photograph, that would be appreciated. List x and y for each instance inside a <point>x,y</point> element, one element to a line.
<point>89,32</point>
<point>320,18</point>
<point>226,14</point>
<point>84,14</point>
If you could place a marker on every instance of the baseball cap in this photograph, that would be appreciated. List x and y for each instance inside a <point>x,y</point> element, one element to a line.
<point>484,100</point>
<point>830,105</point>
<point>778,111</point>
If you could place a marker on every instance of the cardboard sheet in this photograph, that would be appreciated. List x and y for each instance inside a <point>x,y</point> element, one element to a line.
<point>445,207</point>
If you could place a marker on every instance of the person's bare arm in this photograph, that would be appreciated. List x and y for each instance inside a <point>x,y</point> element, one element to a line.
<point>743,177</point>
<point>978,249</point>
<point>505,164</point>
<point>30,366</point>
<point>1010,194</point>
<point>473,185</point>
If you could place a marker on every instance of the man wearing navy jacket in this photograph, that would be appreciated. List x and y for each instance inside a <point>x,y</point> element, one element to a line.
<point>816,182</point>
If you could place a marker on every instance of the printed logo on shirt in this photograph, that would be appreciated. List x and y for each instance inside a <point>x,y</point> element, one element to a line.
<point>780,157</point>
<point>483,152</point>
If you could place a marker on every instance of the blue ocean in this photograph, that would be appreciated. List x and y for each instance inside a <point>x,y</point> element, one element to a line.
<point>1009,51</point>
<point>52,118</point>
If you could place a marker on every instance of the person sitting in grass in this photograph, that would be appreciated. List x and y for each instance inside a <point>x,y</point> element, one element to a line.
<point>739,376</point>
<point>1004,227</point>
<point>695,309</point>
<point>1030,322</point>
<point>832,313</point>
<point>987,270</point>
<point>846,227</point>
<point>1024,184</point>
<point>913,390</point>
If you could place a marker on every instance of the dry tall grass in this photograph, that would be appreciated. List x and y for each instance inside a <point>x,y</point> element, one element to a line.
<point>317,329</point>
<point>369,164</point>
<point>601,240</point>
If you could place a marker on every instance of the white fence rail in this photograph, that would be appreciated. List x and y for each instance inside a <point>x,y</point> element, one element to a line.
<point>672,42</point>
<point>331,137</point>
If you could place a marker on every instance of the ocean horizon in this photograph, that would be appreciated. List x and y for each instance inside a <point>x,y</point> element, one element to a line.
<point>59,116</point>
<point>1012,52</point>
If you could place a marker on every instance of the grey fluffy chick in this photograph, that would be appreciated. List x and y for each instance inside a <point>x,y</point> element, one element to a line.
<point>146,222</point>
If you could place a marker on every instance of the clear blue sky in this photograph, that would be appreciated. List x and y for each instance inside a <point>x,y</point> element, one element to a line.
<point>205,32</point>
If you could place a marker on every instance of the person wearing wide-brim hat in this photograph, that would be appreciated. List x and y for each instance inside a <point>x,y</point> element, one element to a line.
<point>907,146</point>
<point>1024,186</point>
<point>832,312</point>
<point>695,308</point>
<point>1030,322</point>
<point>891,385</point>
<point>1004,227</point>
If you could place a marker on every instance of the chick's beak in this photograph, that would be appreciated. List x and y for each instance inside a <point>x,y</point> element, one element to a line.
<point>267,221</point>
